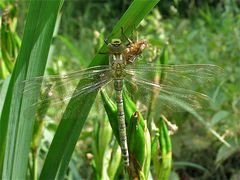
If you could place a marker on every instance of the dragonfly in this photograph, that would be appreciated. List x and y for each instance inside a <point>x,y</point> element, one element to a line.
<point>123,71</point>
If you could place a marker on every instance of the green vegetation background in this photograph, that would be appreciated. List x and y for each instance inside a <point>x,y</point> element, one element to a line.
<point>197,32</point>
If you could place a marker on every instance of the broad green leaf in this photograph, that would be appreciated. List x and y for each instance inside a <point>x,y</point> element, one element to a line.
<point>3,92</point>
<point>16,126</point>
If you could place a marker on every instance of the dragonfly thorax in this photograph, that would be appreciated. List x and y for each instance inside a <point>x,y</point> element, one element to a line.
<point>118,64</point>
<point>117,60</point>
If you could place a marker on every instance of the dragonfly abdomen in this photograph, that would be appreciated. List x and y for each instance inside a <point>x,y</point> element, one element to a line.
<point>118,85</point>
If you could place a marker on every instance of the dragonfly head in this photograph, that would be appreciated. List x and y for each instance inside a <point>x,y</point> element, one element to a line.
<point>116,46</point>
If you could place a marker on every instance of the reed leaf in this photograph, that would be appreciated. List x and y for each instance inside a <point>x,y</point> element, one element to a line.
<point>16,126</point>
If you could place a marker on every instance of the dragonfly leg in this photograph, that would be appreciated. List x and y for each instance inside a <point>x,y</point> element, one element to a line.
<point>104,53</point>
<point>124,35</point>
<point>106,41</point>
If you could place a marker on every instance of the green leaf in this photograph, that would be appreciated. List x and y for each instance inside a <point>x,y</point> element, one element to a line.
<point>115,161</point>
<point>164,60</point>
<point>166,151</point>
<point>194,113</point>
<point>136,140</point>
<point>111,110</point>
<point>226,152</point>
<point>3,92</point>
<point>102,140</point>
<point>16,126</point>
<point>138,137</point>
<point>77,110</point>
<point>220,115</point>
<point>164,139</point>
<point>180,164</point>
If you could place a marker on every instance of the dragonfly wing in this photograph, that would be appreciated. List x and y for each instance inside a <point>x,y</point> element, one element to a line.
<point>168,98</point>
<point>58,90</point>
<point>182,76</point>
<point>64,80</point>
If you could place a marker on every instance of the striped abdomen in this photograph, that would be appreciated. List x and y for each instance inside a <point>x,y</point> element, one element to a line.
<point>118,85</point>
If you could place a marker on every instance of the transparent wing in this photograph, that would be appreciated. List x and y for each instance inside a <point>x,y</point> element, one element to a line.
<point>174,92</point>
<point>168,98</point>
<point>184,76</point>
<point>59,89</point>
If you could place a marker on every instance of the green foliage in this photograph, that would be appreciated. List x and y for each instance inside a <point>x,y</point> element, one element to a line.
<point>213,37</point>
<point>107,158</point>
<point>166,151</point>
<point>204,32</point>
<point>138,137</point>
<point>10,42</point>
